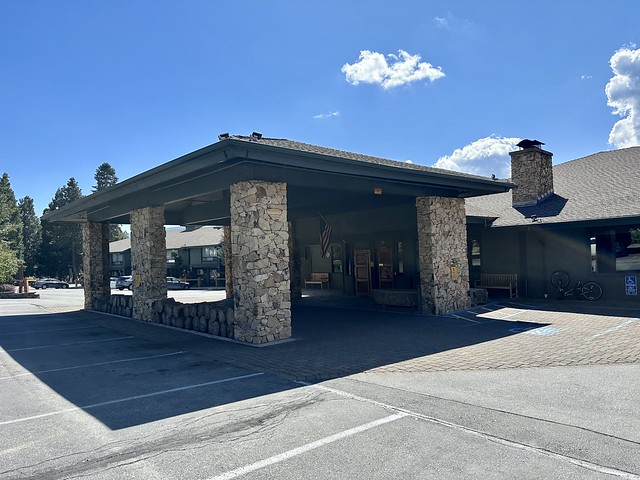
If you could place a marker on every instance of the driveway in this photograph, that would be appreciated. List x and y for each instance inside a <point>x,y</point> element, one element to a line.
<point>509,390</point>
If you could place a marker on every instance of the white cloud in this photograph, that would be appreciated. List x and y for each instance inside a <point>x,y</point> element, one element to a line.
<point>586,76</point>
<point>486,156</point>
<point>449,21</point>
<point>327,115</point>
<point>372,67</point>
<point>441,22</point>
<point>623,95</point>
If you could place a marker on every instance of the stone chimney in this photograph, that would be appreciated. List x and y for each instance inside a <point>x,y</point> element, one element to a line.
<point>532,172</point>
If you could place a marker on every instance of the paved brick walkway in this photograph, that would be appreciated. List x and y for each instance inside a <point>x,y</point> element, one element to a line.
<point>555,334</point>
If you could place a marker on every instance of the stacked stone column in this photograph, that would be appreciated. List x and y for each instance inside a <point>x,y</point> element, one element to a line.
<point>148,261</point>
<point>95,263</point>
<point>260,261</point>
<point>442,250</point>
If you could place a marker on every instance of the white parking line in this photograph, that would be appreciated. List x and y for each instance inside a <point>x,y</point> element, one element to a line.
<point>493,438</point>
<point>305,448</point>
<point>128,399</point>
<point>613,329</point>
<point>66,344</point>
<point>520,312</point>
<point>50,330</point>
<point>462,318</point>
<point>91,365</point>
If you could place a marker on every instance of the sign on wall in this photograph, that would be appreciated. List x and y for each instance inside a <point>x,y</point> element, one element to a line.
<point>631,285</point>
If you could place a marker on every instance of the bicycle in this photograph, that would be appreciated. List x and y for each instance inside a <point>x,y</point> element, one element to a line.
<point>590,290</point>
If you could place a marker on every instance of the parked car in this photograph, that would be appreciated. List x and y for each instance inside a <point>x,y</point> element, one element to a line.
<point>50,283</point>
<point>112,282</point>
<point>174,284</point>
<point>125,281</point>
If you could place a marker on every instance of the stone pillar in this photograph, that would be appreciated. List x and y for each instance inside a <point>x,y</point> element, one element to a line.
<point>95,263</point>
<point>260,261</point>
<point>148,261</point>
<point>442,250</point>
<point>228,264</point>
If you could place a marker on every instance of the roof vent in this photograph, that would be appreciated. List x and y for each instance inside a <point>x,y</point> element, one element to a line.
<point>256,136</point>
<point>222,136</point>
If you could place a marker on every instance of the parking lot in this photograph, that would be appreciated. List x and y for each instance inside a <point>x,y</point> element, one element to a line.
<point>502,391</point>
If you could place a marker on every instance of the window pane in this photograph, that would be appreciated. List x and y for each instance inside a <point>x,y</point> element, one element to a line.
<point>616,251</point>
<point>475,253</point>
<point>628,250</point>
<point>208,254</point>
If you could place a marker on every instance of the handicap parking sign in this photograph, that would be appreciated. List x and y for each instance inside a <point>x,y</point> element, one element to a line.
<point>631,285</point>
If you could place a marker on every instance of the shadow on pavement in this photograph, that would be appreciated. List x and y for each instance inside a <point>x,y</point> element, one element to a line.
<point>129,373</point>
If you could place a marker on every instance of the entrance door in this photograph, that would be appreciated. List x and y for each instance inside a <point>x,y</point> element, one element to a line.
<point>362,259</point>
<point>385,267</point>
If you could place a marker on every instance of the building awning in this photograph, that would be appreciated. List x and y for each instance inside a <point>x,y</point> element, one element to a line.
<point>194,189</point>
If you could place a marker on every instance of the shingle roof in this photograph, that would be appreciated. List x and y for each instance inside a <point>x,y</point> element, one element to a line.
<point>601,186</point>
<point>359,157</point>
<point>200,237</point>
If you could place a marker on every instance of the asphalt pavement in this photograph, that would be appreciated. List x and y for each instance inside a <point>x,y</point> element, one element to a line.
<point>357,394</point>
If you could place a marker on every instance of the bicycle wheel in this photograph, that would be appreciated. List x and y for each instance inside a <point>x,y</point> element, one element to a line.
<point>560,279</point>
<point>591,291</point>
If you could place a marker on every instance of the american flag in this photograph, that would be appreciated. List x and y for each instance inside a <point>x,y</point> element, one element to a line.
<point>325,237</point>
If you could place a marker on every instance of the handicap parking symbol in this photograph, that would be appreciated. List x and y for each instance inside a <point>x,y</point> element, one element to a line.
<point>631,285</point>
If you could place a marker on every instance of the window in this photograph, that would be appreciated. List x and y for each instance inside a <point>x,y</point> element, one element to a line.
<point>336,258</point>
<point>117,259</point>
<point>616,250</point>
<point>475,253</point>
<point>209,254</point>
<point>172,255</point>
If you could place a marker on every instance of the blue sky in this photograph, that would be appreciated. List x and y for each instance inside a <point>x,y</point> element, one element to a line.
<point>452,83</point>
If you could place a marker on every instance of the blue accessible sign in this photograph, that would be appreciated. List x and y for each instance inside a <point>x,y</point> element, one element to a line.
<point>631,285</point>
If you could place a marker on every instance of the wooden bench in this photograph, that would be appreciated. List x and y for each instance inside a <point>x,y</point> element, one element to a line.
<point>318,279</point>
<point>504,281</point>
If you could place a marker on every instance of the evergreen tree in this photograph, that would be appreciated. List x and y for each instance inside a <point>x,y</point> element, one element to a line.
<point>61,252</point>
<point>31,234</point>
<point>105,176</point>
<point>10,223</point>
<point>8,263</point>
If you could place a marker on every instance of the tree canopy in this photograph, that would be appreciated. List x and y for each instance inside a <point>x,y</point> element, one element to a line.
<point>105,176</point>
<point>31,234</point>
<point>8,263</point>
<point>61,251</point>
<point>10,221</point>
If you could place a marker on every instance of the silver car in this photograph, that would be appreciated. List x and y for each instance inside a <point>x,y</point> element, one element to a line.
<point>50,283</point>
<point>123,282</point>
<point>174,284</point>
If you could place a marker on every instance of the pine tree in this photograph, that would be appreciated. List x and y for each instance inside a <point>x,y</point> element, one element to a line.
<point>31,234</point>
<point>10,222</point>
<point>105,176</point>
<point>61,252</point>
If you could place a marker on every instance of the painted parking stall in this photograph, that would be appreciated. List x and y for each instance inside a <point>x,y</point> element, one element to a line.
<point>72,366</point>
<point>96,396</point>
